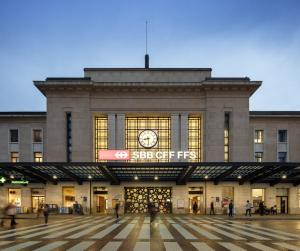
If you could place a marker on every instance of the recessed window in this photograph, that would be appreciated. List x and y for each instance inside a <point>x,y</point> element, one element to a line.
<point>38,157</point>
<point>101,135</point>
<point>14,135</point>
<point>282,156</point>
<point>194,136</point>
<point>258,156</point>
<point>14,157</point>
<point>226,137</point>
<point>282,136</point>
<point>259,136</point>
<point>37,136</point>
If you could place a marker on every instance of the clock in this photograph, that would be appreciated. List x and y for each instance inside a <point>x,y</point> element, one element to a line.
<point>148,138</point>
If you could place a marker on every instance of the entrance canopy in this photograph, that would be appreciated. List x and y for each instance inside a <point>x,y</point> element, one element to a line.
<point>179,172</point>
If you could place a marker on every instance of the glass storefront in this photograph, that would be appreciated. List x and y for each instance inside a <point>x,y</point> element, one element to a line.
<point>68,196</point>
<point>258,195</point>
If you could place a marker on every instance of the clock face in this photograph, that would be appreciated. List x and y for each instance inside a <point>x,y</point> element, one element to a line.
<point>148,138</point>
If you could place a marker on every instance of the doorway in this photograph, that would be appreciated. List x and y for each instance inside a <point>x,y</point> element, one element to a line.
<point>282,204</point>
<point>100,204</point>
<point>37,202</point>
<point>196,196</point>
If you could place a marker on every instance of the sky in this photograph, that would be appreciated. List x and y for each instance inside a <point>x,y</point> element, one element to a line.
<point>236,38</point>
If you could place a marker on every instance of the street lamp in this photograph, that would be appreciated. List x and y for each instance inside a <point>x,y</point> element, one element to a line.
<point>205,201</point>
<point>90,179</point>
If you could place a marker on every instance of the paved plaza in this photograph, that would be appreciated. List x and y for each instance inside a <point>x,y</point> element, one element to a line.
<point>135,232</point>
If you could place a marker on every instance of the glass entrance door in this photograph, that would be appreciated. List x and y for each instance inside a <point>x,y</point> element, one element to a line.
<point>37,202</point>
<point>282,204</point>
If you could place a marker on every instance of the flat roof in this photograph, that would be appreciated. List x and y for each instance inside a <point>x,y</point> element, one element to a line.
<point>23,114</point>
<point>147,69</point>
<point>274,113</point>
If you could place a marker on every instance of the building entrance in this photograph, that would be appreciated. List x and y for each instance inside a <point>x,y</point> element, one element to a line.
<point>196,196</point>
<point>282,204</point>
<point>137,199</point>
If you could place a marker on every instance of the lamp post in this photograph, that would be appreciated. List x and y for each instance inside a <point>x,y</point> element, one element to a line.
<point>90,179</point>
<point>205,195</point>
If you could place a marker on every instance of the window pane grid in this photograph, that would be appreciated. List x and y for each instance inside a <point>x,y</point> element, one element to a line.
<point>194,137</point>
<point>100,135</point>
<point>161,125</point>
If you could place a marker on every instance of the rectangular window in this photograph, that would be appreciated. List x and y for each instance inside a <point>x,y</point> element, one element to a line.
<point>14,136</point>
<point>68,196</point>
<point>100,135</point>
<point>259,136</point>
<point>69,136</point>
<point>258,156</point>
<point>14,157</point>
<point>282,136</point>
<point>159,125</point>
<point>14,196</point>
<point>194,137</point>
<point>258,195</point>
<point>226,137</point>
<point>282,156</point>
<point>38,157</point>
<point>37,136</point>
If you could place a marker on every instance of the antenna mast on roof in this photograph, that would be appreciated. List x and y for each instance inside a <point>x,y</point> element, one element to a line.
<point>146,55</point>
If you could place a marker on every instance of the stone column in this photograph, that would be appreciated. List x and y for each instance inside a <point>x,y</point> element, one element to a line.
<point>175,134</point>
<point>184,145</point>
<point>111,130</point>
<point>120,131</point>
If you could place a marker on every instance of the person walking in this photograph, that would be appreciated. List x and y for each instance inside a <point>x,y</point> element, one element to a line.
<point>212,208</point>
<point>46,213</point>
<point>230,207</point>
<point>11,210</point>
<point>117,206</point>
<point>248,207</point>
<point>195,208</point>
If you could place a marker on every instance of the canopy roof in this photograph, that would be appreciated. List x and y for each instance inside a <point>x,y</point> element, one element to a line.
<point>179,172</point>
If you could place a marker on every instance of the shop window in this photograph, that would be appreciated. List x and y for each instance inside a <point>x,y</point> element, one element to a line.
<point>37,136</point>
<point>68,196</point>
<point>100,135</point>
<point>226,136</point>
<point>258,195</point>
<point>259,136</point>
<point>14,196</point>
<point>282,136</point>
<point>14,157</point>
<point>227,195</point>
<point>282,156</point>
<point>194,136</point>
<point>161,127</point>
<point>14,136</point>
<point>258,156</point>
<point>38,157</point>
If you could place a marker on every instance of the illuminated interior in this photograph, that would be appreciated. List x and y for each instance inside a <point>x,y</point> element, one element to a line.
<point>100,135</point>
<point>160,125</point>
<point>68,196</point>
<point>194,134</point>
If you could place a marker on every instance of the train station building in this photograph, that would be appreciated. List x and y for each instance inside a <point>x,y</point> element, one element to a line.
<point>171,136</point>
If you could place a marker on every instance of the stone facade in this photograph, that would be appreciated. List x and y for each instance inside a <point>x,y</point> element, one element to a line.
<point>176,93</point>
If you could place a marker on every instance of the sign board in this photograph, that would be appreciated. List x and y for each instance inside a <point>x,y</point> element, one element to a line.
<point>20,182</point>
<point>138,155</point>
